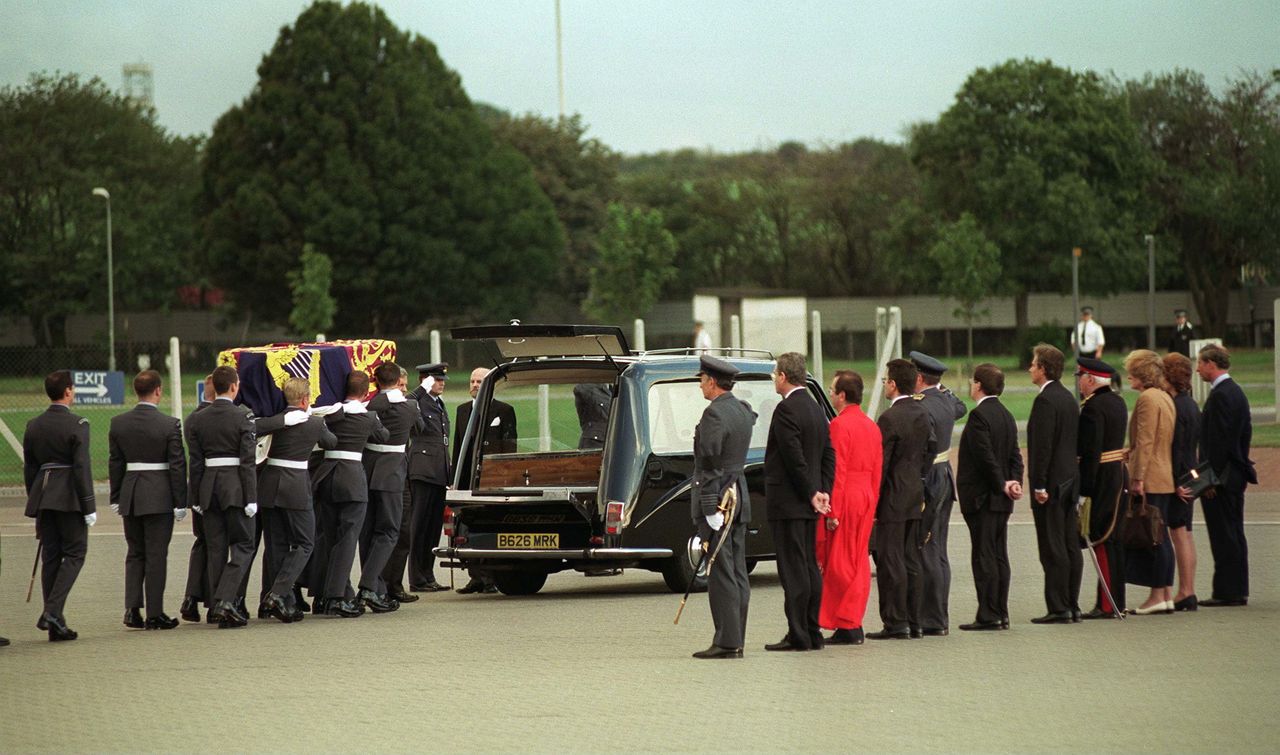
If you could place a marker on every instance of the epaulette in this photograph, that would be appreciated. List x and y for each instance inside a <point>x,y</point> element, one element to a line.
<point>83,421</point>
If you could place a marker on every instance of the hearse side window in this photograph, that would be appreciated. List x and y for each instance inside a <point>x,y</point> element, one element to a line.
<point>577,414</point>
<point>675,407</point>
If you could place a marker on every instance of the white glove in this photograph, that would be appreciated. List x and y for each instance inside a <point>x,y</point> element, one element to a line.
<point>251,509</point>
<point>427,382</point>
<point>716,521</point>
<point>295,417</point>
<point>179,515</point>
<point>115,509</point>
<point>90,519</point>
<point>198,510</point>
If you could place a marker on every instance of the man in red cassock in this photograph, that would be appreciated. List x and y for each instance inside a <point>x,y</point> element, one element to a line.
<point>846,530</point>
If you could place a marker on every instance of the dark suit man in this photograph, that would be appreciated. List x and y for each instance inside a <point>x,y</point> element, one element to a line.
<point>720,444</point>
<point>198,589</point>
<point>909,451</point>
<point>592,402</point>
<point>59,483</point>
<point>386,466</point>
<point>1183,334</point>
<point>342,495</point>
<point>429,478</point>
<point>944,408</point>
<point>989,480</point>
<point>148,473</point>
<point>1226,430</point>
<point>285,487</point>
<point>497,436</point>
<point>1051,462</point>
<point>1100,445</point>
<point>799,467</point>
<point>222,445</point>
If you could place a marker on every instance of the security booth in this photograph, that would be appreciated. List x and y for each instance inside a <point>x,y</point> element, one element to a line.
<point>770,319</point>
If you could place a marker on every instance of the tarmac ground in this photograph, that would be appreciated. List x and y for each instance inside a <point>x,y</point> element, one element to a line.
<point>595,664</point>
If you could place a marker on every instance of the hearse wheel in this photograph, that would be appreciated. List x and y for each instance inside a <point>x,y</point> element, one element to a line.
<point>678,571</point>
<point>519,583</point>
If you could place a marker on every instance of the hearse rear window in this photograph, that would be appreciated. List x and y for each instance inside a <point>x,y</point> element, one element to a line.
<point>675,408</point>
<point>558,416</point>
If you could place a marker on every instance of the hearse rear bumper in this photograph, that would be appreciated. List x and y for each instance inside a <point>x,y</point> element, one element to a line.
<point>569,554</point>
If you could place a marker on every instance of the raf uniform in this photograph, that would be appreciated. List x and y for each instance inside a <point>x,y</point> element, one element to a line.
<point>1101,449</point>
<point>59,484</point>
<point>720,445</point>
<point>386,466</point>
<point>148,473</point>
<point>342,495</point>
<point>198,589</point>
<point>429,476</point>
<point>222,443</point>
<point>944,408</point>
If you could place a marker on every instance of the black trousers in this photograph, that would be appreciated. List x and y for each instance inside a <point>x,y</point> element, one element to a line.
<point>427,524</point>
<point>294,539</point>
<point>1058,539</point>
<point>989,534</point>
<point>935,567</point>
<point>65,540</point>
<point>259,532</point>
<point>340,524</point>
<point>393,572</point>
<point>229,541</point>
<point>795,542</point>
<point>728,588</point>
<point>378,537</point>
<point>1224,520</point>
<point>197,563</point>
<point>147,561</point>
<point>898,577</point>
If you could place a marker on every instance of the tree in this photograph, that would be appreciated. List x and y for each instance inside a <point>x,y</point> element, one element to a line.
<point>579,176</point>
<point>359,140</point>
<point>1044,159</point>
<point>62,138</point>
<point>313,305</point>
<point>1218,179</point>
<point>969,265</point>
<point>635,261</point>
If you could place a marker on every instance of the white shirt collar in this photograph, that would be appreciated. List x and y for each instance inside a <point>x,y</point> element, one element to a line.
<point>1046,385</point>
<point>354,406</point>
<point>147,403</point>
<point>793,390</point>
<point>898,398</point>
<point>1218,380</point>
<point>394,395</point>
<point>984,398</point>
<point>223,398</point>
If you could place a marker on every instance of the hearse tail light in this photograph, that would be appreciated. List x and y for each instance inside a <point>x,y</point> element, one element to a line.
<point>460,540</point>
<point>613,518</point>
<point>597,540</point>
<point>449,516</point>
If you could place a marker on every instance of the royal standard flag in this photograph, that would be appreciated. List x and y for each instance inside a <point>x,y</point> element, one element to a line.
<point>263,369</point>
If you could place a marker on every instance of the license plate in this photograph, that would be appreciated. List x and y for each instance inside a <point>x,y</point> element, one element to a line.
<point>528,540</point>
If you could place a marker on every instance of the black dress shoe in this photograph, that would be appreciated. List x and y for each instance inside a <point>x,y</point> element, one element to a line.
<point>983,626</point>
<point>190,610</point>
<point>241,608</point>
<point>161,622</point>
<point>489,589</point>
<point>133,619</point>
<point>715,651</point>
<point>1223,602</point>
<point>846,637</point>
<point>476,585</point>
<point>1188,603</point>
<point>319,606</point>
<point>934,632</point>
<point>4,642</point>
<point>783,644</point>
<point>376,603</point>
<point>41,624</point>
<point>1062,617</point>
<point>274,605</point>
<point>1098,613</point>
<point>1076,616</point>
<point>432,586</point>
<point>227,616</point>
<point>58,630</point>
<point>403,597</point>
<point>345,609</point>
<point>885,634</point>
<point>915,633</point>
<point>300,602</point>
<point>1004,623</point>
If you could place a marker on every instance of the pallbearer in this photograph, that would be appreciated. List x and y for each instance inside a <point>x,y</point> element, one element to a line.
<point>1101,448</point>
<point>148,472</point>
<point>720,445</point>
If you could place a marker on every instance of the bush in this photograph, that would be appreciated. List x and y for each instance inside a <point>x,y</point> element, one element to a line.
<point>1050,333</point>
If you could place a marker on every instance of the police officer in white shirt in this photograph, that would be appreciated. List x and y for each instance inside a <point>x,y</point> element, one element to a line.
<point>1089,335</point>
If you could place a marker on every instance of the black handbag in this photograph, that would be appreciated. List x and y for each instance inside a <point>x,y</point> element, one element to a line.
<point>1143,525</point>
<point>1199,479</point>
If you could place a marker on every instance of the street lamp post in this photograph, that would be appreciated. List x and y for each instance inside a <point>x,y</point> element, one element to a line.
<point>1151,292</point>
<point>111,293</point>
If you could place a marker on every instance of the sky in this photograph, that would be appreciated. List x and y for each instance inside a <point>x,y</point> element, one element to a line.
<point>653,75</point>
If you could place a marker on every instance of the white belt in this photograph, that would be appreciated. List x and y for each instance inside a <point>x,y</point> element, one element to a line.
<point>222,461</point>
<point>146,466</point>
<point>344,455</point>
<point>385,449</point>
<point>289,463</point>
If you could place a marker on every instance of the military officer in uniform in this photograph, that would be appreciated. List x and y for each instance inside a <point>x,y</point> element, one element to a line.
<point>285,487</point>
<point>198,590</point>
<point>222,445</point>
<point>1100,446</point>
<point>148,473</point>
<point>59,484</point>
<point>1180,339</point>
<point>429,476</point>
<point>386,466</point>
<point>720,445</point>
<point>944,408</point>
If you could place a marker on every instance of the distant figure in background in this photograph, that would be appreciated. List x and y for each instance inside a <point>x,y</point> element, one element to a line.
<point>1186,435</point>
<point>592,401</point>
<point>1088,334</point>
<point>1180,339</point>
<point>701,338</point>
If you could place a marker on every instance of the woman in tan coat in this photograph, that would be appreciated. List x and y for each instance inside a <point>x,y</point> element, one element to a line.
<point>1151,474</point>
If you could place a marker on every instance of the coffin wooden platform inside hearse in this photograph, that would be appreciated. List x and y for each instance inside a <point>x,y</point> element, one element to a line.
<point>541,470</point>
